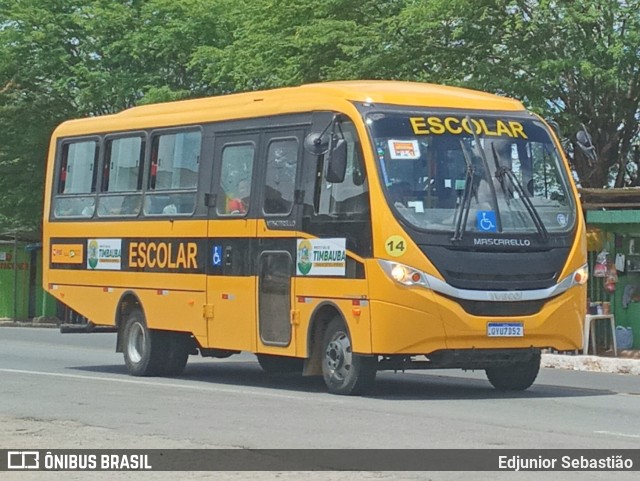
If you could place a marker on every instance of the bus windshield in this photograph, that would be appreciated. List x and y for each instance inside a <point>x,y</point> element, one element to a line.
<point>475,172</point>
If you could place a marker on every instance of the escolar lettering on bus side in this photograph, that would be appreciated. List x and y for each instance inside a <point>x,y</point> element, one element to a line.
<point>163,255</point>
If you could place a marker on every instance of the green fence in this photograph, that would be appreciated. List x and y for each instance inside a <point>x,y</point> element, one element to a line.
<point>21,293</point>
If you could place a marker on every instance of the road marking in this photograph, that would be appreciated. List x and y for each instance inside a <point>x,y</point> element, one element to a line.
<point>181,386</point>
<point>622,435</point>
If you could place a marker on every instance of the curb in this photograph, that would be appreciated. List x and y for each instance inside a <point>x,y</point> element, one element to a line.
<point>592,364</point>
<point>47,323</point>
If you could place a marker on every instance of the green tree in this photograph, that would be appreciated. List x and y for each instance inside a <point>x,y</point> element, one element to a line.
<point>579,63</point>
<point>289,42</point>
<point>38,49</point>
<point>62,59</point>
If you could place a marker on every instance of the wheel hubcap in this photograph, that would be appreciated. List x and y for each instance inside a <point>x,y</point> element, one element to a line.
<point>338,356</point>
<point>135,344</point>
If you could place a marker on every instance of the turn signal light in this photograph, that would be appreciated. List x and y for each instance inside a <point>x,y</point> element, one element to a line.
<point>581,276</point>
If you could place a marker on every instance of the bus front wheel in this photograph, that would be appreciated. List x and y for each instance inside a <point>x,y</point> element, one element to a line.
<point>517,376</point>
<point>344,371</point>
<point>144,349</point>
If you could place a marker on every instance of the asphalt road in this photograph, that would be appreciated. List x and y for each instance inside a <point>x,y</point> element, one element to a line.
<point>76,384</point>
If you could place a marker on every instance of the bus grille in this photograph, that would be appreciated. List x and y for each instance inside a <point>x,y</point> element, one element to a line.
<point>498,271</point>
<point>501,309</point>
<point>457,277</point>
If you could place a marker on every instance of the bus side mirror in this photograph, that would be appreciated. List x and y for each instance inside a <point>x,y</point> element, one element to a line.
<point>337,162</point>
<point>556,127</point>
<point>316,144</point>
<point>584,141</point>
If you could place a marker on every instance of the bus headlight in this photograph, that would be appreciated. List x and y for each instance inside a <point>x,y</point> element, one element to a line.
<point>580,276</point>
<point>402,274</point>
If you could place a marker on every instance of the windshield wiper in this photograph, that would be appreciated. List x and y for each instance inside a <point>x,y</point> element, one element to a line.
<point>465,201</point>
<point>492,189</point>
<point>503,171</point>
<point>499,175</point>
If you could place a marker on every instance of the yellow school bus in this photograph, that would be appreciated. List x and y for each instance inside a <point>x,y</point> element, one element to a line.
<point>333,229</point>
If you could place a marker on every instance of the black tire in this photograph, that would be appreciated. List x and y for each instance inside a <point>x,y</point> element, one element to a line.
<point>280,364</point>
<point>178,349</point>
<point>145,350</point>
<point>517,376</point>
<point>345,372</point>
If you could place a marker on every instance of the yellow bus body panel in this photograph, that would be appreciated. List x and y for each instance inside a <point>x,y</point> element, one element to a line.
<point>348,295</point>
<point>171,310</point>
<point>233,325</point>
<point>419,321</point>
<point>558,325</point>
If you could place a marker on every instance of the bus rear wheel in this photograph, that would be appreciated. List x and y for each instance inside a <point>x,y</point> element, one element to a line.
<point>344,371</point>
<point>280,364</point>
<point>517,376</point>
<point>145,349</point>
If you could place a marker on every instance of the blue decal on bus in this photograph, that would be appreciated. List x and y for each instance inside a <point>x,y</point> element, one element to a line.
<point>217,256</point>
<point>486,221</point>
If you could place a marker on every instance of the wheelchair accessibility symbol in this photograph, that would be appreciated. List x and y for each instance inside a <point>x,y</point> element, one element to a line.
<point>486,221</point>
<point>217,256</point>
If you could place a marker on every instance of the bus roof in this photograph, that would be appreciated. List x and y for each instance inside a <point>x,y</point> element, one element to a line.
<point>318,96</point>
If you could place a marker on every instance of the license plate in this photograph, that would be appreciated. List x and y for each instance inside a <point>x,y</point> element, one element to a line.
<point>505,329</point>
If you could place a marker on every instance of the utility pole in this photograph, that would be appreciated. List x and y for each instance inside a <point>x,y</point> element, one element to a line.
<point>15,277</point>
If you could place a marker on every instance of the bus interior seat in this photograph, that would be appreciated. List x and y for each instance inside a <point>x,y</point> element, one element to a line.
<point>358,204</point>
<point>155,204</point>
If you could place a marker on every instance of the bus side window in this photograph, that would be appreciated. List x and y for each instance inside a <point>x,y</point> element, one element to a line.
<point>77,177</point>
<point>173,173</point>
<point>282,163</point>
<point>234,191</point>
<point>352,195</point>
<point>355,196</point>
<point>121,193</point>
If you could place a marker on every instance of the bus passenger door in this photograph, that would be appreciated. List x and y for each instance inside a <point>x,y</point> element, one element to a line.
<point>277,233</point>
<point>274,301</point>
<point>231,274</point>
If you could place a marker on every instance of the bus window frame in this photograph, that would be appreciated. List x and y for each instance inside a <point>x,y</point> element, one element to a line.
<point>146,151</point>
<point>148,193</point>
<point>293,134</point>
<point>55,195</point>
<point>140,181</point>
<point>223,140</point>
